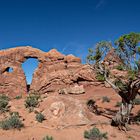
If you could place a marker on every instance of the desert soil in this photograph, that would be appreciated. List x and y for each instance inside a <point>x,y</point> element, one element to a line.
<point>34,130</point>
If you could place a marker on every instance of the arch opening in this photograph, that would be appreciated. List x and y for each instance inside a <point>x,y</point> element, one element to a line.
<point>9,69</point>
<point>29,66</point>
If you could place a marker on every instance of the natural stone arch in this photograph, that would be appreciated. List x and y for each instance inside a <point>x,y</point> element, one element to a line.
<point>54,71</point>
<point>14,83</point>
<point>29,66</point>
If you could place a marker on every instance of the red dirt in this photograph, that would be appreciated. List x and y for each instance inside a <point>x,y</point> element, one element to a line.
<point>34,130</point>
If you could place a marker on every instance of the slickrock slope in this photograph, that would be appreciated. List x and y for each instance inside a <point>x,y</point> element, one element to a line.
<point>55,71</point>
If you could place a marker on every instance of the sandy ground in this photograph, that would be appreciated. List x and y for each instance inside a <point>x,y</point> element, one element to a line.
<point>34,130</point>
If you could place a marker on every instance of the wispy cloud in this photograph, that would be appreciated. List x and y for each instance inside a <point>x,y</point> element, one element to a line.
<point>77,49</point>
<point>99,4</point>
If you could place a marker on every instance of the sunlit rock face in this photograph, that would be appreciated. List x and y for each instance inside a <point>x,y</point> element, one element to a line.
<point>55,71</point>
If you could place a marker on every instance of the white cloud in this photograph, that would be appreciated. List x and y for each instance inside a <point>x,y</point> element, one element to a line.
<point>77,49</point>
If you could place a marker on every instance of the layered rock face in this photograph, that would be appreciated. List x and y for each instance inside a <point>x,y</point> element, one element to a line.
<point>55,71</point>
<point>112,60</point>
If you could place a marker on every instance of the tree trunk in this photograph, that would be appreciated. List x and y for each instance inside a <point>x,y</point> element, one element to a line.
<point>123,116</point>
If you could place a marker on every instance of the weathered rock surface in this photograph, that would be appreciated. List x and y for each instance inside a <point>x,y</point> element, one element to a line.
<point>72,90</point>
<point>64,111</point>
<point>112,60</point>
<point>54,71</point>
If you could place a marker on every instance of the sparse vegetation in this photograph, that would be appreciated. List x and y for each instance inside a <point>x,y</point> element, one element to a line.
<point>13,122</point>
<point>105,99</point>
<point>137,117</point>
<point>32,101</point>
<point>18,97</point>
<point>3,103</point>
<point>40,117</point>
<point>126,50</point>
<point>120,67</point>
<point>95,134</point>
<point>121,85</point>
<point>90,102</point>
<point>137,101</point>
<point>130,138</point>
<point>4,97</point>
<point>118,104</point>
<point>100,77</point>
<point>48,138</point>
<point>132,74</point>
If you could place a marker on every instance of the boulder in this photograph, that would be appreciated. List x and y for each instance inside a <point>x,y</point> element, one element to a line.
<point>72,90</point>
<point>63,111</point>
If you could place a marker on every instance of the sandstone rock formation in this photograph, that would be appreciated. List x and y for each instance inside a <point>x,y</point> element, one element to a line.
<point>112,59</point>
<point>72,90</point>
<point>54,71</point>
<point>64,111</point>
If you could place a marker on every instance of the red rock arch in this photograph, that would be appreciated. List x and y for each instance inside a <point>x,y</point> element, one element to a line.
<point>54,71</point>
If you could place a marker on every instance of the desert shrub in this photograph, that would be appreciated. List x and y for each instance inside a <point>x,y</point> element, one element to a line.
<point>130,138</point>
<point>40,117</point>
<point>105,99</point>
<point>118,104</point>
<point>121,85</point>
<point>120,67</point>
<point>4,97</point>
<point>95,134</point>
<point>3,103</point>
<point>100,77</point>
<point>18,97</point>
<point>48,138</point>
<point>14,114</point>
<point>132,74</point>
<point>137,118</point>
<point>90,102</point>
<point>32,101</point>
<point>137,101</point>
<point>13,122</point>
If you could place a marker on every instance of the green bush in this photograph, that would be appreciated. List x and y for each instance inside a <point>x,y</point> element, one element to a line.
<point>105,99</point>
<point>137,118</point>
<point>18,97</point>
<point>132,74</point>
<point>4,97</point>
<point>137,101</point>
<point>95,134</point>
<point>40,117</point>
<point>48,138</point>
<point>100,77</point>
<point>4,100</point>
<point>118,104</point>
<point>90,102</point>
<point>31,101</point>
<point>13,122</point>
<point>120,67</point>
<point>121,85</point>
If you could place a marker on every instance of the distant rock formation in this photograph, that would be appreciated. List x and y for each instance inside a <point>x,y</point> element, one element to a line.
<point>112,59</point>
<point>55,71</point>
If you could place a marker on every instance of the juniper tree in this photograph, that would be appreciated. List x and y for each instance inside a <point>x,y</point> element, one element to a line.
<point>127,49</point>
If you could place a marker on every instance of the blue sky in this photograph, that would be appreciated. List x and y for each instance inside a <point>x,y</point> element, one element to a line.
<point>70,26</point>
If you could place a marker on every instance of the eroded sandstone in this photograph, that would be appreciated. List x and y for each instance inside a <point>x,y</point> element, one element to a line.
<point>55,71</point>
